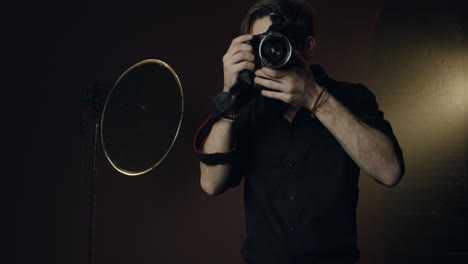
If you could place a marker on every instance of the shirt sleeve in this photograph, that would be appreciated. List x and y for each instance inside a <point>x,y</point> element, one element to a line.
<point>238,155</point>
<point>367,110</point>
<point>251,116</point>
<point>240,159</point>
<point>210,158</point>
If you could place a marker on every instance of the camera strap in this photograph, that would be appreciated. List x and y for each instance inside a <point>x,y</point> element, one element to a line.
<point>222,101</point>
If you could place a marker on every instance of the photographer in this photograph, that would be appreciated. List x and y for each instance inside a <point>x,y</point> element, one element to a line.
<point>299,143</point>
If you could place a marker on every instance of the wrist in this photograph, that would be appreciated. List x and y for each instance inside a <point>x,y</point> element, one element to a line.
<point>232,109</point>
<point>313,97</point>
<point>320,98</point>
<point>229,117</point>
<point>324,106</point>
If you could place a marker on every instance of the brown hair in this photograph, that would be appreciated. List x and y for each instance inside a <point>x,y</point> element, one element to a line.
<point>298,14</point>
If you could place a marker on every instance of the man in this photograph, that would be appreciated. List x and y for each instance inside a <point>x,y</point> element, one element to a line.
<point>299,144</point>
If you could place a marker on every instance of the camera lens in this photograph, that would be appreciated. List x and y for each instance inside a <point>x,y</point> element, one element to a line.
<point>275,51</point>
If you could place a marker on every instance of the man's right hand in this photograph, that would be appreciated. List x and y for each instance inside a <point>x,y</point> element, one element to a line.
<point>214,178</point>
<point>238,57</point>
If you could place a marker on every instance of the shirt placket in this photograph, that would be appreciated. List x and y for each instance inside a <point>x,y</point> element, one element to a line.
<point>291,196</point>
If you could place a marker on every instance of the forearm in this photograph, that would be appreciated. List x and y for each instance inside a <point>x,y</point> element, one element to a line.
<point>371,149</point>
<point>213,178</point>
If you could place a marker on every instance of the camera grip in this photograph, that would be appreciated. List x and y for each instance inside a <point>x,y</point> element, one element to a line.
<point>246,78</point>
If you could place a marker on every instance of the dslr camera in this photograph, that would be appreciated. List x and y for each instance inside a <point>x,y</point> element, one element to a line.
<point>272,49</point>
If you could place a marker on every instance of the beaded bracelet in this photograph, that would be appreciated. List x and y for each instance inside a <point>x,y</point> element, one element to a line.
<point>229,117</point>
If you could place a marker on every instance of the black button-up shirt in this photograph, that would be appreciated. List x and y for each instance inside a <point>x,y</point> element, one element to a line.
<point>301,187</point>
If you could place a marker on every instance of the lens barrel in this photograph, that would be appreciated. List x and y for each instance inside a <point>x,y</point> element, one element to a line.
<point>275,50</point>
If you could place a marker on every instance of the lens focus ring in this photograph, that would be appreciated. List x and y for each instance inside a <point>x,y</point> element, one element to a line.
<point>275,50</point>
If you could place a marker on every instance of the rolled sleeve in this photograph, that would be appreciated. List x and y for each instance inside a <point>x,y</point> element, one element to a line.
<point>367,110</point>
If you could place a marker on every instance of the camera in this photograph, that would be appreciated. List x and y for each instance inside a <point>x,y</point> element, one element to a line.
<point>272,49</point>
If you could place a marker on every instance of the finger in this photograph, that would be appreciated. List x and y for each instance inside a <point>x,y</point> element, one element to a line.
<point>239,47</point>
<point>245,65</point>
<point>269,84</point>
<point>243,48</point>
<point>272,73</point>
<point>275,95</point>
<point>241,56</point>
<point>239,40</point>
<point>260,73</point>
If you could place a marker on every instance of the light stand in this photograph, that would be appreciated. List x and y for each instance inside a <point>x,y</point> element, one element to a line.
<point>94,98</point>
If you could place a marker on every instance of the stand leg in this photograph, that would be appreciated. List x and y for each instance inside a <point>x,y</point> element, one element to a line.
<point>92,212</point>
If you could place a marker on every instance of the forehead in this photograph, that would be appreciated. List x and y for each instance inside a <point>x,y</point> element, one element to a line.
<point>260,25</point>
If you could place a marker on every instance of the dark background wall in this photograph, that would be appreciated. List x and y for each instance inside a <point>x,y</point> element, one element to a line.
<point>54,50</point>
<point>421,80</point>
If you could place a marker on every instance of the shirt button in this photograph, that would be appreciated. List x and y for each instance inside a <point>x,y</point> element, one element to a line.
<point>292,229</point>
<point>292,197</point>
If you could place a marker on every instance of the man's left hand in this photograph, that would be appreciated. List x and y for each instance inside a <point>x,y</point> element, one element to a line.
<point>295,86</point>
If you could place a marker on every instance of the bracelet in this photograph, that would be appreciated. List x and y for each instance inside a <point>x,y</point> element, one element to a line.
<point>316,103</point>
<point>229,117</point>
<point>228,120</point>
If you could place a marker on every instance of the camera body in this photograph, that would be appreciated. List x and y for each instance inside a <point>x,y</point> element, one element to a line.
<point>272,49</point>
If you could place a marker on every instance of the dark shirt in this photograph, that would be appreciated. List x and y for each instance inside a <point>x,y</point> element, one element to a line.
<point>301,187</point>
